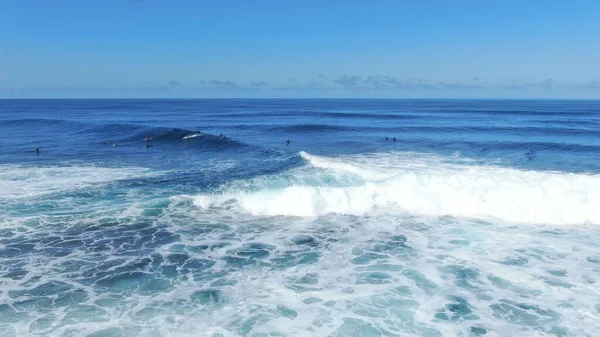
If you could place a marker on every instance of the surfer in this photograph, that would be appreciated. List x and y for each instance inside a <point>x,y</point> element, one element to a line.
<point>530,154</point>
<point>148,141</point>
<point>387,138</point>
<point>287,142</point>
<point>37,150</point>
<point>222,136</point>
<point>394,139</point>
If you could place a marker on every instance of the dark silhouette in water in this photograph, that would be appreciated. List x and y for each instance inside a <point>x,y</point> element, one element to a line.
<point>530,154</point>
<point>394,139</point>
<point>37,150</point>
<point>222,136</point>
<point>287,142</point>
<point>387,138</point>
<point>148,141</point>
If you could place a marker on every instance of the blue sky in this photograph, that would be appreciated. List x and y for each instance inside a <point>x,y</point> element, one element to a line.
<point>268,48</point>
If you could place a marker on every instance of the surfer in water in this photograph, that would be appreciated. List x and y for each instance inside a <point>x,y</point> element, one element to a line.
<point>222,136</point>
<point>148,141</point>
<point>394,139</point>
<point>530,154</point>
<point>287,142</point>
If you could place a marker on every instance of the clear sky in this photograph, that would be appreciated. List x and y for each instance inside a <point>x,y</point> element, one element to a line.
<point>293,48</point>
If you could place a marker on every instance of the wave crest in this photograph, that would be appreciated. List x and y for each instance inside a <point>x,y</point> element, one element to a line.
<point>426,187</point>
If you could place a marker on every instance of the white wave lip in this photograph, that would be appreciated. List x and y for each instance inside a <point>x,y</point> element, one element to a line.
<point>432,189</point>
<point>193,135</point>
<point>24,182</point>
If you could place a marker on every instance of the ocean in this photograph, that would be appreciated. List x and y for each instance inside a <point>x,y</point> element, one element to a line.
<point>481,218</point>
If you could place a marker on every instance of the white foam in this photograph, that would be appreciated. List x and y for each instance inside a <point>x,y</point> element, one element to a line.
<point>354,278</point>
<point>194,135</point>
<point>24,182</point>
<point>348,165</point>
<point>431,187</point>
<point>447,258</point>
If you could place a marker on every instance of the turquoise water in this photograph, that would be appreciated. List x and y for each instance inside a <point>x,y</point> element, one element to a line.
<point>481,219</point>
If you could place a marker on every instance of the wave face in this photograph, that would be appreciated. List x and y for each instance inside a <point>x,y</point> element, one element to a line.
<point>79,135</point>
<point>481,219</point>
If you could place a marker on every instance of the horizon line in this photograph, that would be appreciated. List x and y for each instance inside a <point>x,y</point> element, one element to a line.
<point>305,98</point>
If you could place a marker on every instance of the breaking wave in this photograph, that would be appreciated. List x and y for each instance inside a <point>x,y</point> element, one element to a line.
<point>420,185</point>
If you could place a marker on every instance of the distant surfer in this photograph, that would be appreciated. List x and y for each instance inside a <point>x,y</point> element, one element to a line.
<point>148,141</point>
<point>287,142</point>
<point>394,139</point>
<point>222,136</point>
<point>530,154</point>
<point>387,138</point>
<point>37,150</point>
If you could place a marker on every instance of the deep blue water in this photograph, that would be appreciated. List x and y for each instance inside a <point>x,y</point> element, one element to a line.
<point>480,219</point>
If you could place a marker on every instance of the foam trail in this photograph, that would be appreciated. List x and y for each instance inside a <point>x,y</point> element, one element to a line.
<point>436,189</point>
<point>194,135</point>
<point>25,182</point>
<point>346,165</point>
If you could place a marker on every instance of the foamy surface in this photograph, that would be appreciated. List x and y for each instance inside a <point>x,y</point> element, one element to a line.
<point>372,245</point>
<point>482,219</point>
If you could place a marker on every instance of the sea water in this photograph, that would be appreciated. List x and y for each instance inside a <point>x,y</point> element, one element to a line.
<point>481,219</point>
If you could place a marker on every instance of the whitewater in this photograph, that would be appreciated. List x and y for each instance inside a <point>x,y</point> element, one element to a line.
<point>424,186</point>
<point>481,220</point>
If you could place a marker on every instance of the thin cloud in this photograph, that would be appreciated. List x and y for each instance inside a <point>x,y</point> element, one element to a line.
<point>260,84</point>
<point>546,84</point>
<point>591,85</point>
<point>345,85</point>
<point>355,83</point>
<point>350,82</point>
<point>223,84</point>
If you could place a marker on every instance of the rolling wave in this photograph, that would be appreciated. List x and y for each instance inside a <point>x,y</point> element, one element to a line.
<point>174,136</point>
<point>426,186</point>
<point>125,133</point>
<point>301,128</point>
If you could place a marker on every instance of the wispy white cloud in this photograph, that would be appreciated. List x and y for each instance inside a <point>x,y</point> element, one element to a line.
<point>322,85</point>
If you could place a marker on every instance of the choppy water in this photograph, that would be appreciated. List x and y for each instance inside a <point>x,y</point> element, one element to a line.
<point>482,219</point>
